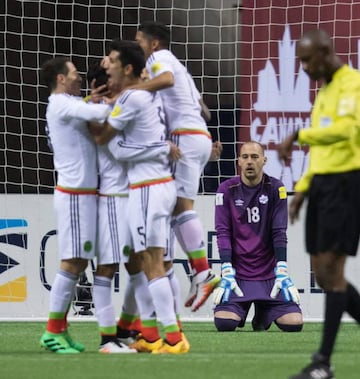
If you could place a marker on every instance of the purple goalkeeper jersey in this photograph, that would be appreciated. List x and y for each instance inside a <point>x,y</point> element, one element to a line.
<point>250,222</point>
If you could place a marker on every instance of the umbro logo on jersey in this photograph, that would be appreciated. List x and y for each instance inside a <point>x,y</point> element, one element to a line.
<point>239,203</point>
<point>13,240</point>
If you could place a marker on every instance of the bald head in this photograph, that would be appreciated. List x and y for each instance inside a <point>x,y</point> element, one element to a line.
<point>316,53</point>
<point>317,39</point>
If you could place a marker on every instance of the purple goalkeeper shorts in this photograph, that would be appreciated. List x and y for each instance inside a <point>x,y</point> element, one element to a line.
<point>258,292</point>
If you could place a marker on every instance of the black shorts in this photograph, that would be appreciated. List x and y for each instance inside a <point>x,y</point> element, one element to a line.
<point>333,214</point>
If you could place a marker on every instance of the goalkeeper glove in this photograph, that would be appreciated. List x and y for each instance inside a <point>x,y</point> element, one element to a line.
<point>284,283</point>
<point>227,284</point>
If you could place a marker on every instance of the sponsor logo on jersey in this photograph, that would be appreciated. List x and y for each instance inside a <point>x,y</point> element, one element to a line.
<point>282,193</point>
<point>13,244</point>
<point>155,67</point>
<point>116,111</point>
<point>219,199</point>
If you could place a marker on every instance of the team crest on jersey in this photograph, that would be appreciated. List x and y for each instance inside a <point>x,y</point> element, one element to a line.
<point>239,202</point>
<point>155,67</point>
<point>116,111</point>
<point>282,193</point>
<point>263,199</point>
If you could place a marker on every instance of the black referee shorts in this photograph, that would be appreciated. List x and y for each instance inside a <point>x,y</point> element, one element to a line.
<point>333,214</point>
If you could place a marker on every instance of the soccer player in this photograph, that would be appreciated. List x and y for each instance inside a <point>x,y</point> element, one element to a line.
<point>331,185</point>
<point>251,224</point>
<point>113,241</point>
<point>152,196</point>
<point>188,130</point>
<point>75,193</point>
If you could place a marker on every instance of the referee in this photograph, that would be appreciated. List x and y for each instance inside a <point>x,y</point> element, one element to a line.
<point>331,185</point>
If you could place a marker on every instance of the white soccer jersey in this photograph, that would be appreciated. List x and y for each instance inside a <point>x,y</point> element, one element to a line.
<point>136,113</point>
<point>181,101</point>
<point>73,146</point>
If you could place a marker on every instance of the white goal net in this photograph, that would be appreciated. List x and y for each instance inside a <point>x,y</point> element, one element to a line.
<point>241,54</point>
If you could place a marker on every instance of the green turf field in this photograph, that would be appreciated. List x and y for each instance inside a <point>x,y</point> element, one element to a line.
<point>240,355</point>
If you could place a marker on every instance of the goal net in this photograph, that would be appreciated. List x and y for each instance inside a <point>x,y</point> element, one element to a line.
<point>242,57</point>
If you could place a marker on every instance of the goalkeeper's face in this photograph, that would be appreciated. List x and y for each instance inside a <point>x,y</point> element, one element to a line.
<point>251,162</point>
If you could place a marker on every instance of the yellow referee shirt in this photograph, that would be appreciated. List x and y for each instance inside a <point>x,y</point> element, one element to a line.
<point>334,134</point>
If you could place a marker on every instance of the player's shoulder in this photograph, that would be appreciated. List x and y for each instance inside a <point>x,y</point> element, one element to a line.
<point>276,185</point>
<point>133,96</point>
<point>227,184</point>
<point>349,78</point>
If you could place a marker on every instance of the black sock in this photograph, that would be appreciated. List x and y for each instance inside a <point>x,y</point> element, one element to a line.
<point>335,305</point>
<point>353,302</point>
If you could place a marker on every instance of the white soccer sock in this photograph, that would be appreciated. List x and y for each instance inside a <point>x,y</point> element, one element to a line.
<point>62,291</point>
<point>129,305</point>
<point>175,288</point>
<point>143,296</point>
<point>189,231</point>
<point>163,300</point>
<point>104,309</point>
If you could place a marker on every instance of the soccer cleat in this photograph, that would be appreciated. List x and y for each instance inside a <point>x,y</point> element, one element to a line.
<point>75,345</point>
<point>126,340</point>
<point>318,369</point>
<point>185,340</point>
<point>201,288</point>
<point>180,348</point>
<point>56,343</point>
<point>143,346</point>
<point>114,347</point>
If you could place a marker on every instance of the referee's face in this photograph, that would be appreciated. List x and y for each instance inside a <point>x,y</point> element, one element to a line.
<point>313,60</point>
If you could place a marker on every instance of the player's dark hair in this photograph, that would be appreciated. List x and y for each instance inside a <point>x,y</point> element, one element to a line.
<point>129,53</point>
<point>156,30</point>
<point>52,68</point>
<point>98,73</point>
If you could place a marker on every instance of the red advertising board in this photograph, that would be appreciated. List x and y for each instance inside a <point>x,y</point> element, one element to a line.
<point>276,94</point>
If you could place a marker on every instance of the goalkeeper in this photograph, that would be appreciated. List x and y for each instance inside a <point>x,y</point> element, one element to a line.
<point>251,223</point>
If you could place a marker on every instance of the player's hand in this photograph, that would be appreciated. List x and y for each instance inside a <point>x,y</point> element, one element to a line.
<point>175,152</point>
<point>284,284</point>
<point>97,93</point>
<point>227,284</point>
<point>295,205</point>
<point>284,149</point>
<point>216,151</point>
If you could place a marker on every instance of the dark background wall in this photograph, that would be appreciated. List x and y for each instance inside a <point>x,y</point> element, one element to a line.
<point>205,36</point>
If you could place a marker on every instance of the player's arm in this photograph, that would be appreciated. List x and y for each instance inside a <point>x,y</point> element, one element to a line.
<point>223,233</point>
<point>82,110</point>
<point>205,112</point>
<point>162,81</point>
<point>160,151</point>
<point>340,130</point>
<point>282,282</point>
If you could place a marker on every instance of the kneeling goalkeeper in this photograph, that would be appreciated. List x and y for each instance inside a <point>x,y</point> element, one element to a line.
<point>251,224</point>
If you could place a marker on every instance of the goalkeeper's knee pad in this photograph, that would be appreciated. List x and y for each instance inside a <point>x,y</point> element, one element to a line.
<point>225,324</point>
<point>289,328</point>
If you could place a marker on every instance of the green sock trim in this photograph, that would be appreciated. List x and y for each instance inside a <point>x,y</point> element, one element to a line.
<point>127,317</point>
<point>149,323</point>
<point>171,328</point>
<point>108,330</point>
<point>197,254</point>
<point>56,315</point>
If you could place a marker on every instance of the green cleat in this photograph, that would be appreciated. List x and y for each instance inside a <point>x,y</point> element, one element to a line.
<point>57,343</point>
<point>75,345</point>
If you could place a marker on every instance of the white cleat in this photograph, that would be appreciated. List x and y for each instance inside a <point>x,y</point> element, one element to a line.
<point>113,347</point>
